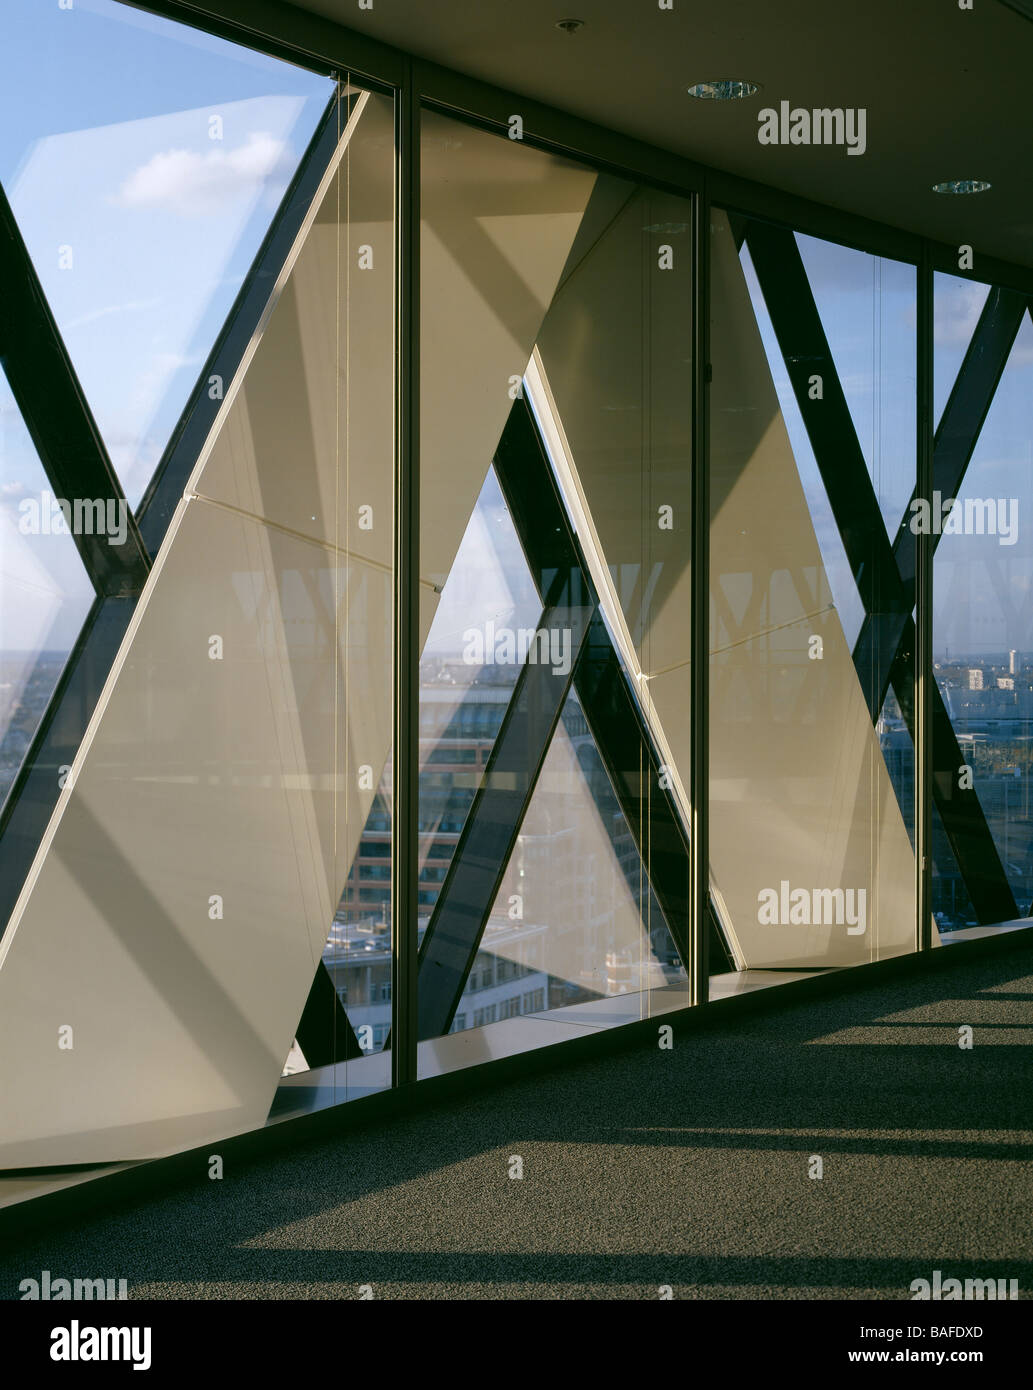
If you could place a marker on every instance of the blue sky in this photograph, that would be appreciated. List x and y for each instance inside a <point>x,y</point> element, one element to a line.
<point>141,227</point>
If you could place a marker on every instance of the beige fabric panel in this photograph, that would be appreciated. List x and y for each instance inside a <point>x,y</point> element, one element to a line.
<point>311,438</point>
<point>203,778</point>
<point>616,349</point>
<point>498,222</point>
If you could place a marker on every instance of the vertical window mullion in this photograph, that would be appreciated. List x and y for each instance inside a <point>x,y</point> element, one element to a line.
<point>924,610</point>
<point>405,847</point>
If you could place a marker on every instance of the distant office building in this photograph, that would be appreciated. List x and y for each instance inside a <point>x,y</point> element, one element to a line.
<point>975,678</point>
<point>505,981</point>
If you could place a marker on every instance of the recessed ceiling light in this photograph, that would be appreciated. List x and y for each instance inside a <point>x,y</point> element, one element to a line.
<point>726,89</point>
<point>570,26</point>
<point>961,186</point>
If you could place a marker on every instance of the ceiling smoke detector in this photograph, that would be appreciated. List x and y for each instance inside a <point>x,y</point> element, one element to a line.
<point>570,26</point>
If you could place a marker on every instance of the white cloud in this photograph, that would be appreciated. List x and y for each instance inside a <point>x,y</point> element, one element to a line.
<point>195,184</point>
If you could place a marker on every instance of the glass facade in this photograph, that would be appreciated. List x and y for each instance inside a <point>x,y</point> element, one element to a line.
<point>556,388</point>
<point>202,840</point>
<point>981,620</point>
<point>812,459</point>
<point>668,479</point>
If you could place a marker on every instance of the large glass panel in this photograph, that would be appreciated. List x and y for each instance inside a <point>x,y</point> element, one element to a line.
<point>462,706</point>
<point>555,478</point>
<point>320,410</point>
<point>186,914</point>
<point>983,621</point>
<point>812,459</point>
<point>144,162</point>
<point>45,592</point>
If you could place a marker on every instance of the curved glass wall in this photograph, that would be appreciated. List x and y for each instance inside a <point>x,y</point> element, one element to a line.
<point>200,419</point>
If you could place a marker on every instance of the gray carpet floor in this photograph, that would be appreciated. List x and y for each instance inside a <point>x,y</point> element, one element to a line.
<point>686,1168</point>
